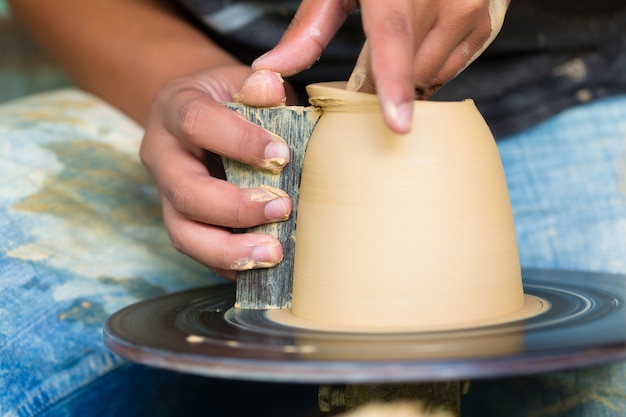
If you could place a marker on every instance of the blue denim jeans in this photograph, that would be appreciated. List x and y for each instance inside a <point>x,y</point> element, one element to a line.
<point>81,236</point>
<point>567,183</point>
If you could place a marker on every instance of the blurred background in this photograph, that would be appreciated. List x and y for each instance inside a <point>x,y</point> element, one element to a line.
<point>24,69</point>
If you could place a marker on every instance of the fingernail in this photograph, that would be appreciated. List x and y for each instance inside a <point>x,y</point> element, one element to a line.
<point>263,88</point>
<point>400,116</point>
<point>276,156</point>
<point>263,255</point>
<point>278,205</point>
<point>277,209</point>
<point>269,254</point>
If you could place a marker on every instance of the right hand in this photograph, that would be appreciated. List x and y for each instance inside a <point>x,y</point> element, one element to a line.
<point>414,46</point>
<point>187,123</point>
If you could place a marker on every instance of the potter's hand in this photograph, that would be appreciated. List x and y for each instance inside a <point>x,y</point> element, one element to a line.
<point>415,46</point>
<point>199,209</point>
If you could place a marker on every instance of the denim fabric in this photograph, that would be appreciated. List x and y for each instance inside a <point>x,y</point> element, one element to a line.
<point>81,237</point>
<point>139,391</point>
<point>567,183</point>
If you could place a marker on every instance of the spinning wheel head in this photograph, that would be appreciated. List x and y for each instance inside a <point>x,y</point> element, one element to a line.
<point>200,332</point>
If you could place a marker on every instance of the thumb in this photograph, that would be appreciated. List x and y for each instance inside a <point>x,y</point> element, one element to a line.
<point>316,22</point>
<point>263,88</point>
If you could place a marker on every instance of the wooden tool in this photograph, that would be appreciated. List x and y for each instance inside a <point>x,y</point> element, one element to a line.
<point>269,288</point>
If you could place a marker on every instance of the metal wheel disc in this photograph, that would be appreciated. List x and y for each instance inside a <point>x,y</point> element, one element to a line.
<point>198,331</point>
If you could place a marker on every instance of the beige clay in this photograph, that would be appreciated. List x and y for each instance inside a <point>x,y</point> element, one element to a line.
<point>404,231</point>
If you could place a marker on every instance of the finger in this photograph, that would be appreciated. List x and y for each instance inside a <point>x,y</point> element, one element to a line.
<point>460,48</point>
<point>368,84</point>
<point>312,28</point>
<point>475,44</point>
<point>390,33</point>
<point>459,59</point>
<point>203,124</point>
<point>186,185</point>
<point>444,41</point>
<point>263,88</point>
<point>224,273</point>
<point>219,248</point>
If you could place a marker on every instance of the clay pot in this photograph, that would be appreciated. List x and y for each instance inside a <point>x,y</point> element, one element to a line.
<point>403,231</point>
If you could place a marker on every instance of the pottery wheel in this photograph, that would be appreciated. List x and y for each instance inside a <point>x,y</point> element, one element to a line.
<point>198,331</point>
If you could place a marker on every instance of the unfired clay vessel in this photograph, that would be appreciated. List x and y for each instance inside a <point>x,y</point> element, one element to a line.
<point>401,232</point>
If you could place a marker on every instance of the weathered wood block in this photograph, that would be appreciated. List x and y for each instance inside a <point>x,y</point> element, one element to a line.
<point>271,287</point>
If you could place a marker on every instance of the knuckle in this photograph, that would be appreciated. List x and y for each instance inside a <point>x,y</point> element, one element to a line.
<point>191,118</point>
<point>240,141</point>
<point>239,215</point>
<point>244,143</point>
<point>399,25</point>
<point>467,49</point>
<point>182,198</point>
<point>227,258</point>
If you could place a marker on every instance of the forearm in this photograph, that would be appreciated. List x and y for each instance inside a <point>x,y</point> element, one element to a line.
<point>121,50</point>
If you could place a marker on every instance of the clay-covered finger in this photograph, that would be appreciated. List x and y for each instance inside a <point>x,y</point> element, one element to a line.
<point>213,201</point>
<point>185,183</point>
<point>470,48</point>
<point>454,42</point>
<point>204,124</point>
<point>264,88</point>
<point>218,248</point>
<point>436,49</point>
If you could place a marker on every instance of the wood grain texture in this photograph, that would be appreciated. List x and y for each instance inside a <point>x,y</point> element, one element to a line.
<point>271,287</point>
